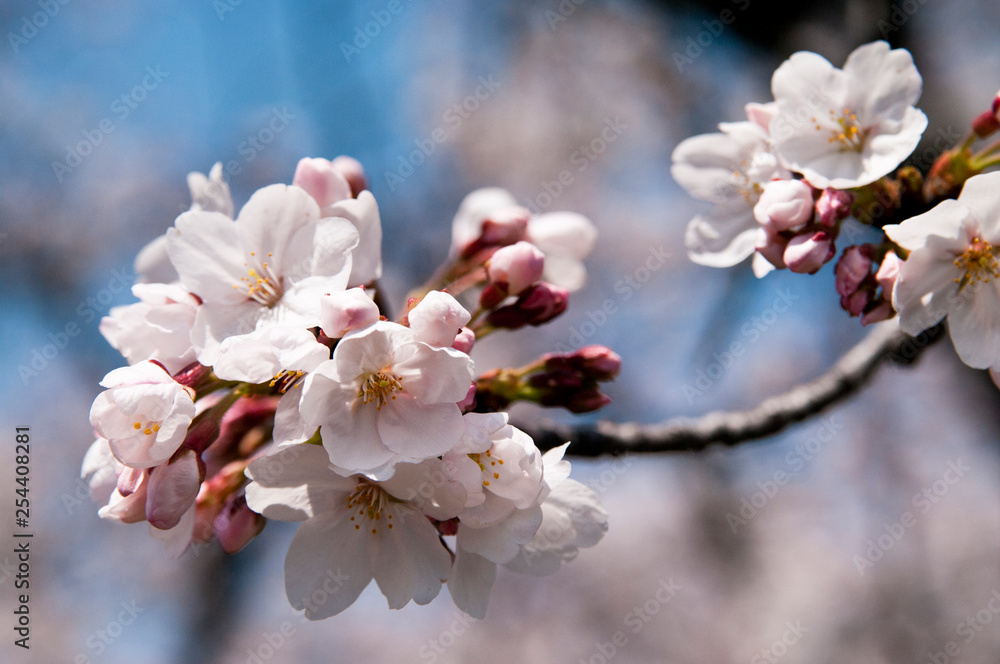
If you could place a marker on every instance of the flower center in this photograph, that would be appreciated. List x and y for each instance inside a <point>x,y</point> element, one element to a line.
<point>978,263</point>
<point>286,380</point>
<point>848,133</point>
<point>263,286</point>
<point>378,387</point>
<point>146,427</point>
<point>490,470</point>
<point>370,501</point>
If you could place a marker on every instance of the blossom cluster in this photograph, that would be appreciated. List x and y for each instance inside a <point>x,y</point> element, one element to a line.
<point>824,159</point>
<point>267,381</point>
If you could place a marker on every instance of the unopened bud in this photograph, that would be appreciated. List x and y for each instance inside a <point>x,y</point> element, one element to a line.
<point>172,490</point>
<point>771,246</point>
<point>784,205</point>
<point>833,205</point>
<point>883,311</point>
<point>581,401</point>
<point>537,305</point>
<point>518,266</point>
<point>469,401</point>
<point>985,124</point>
<point>596,362</point>
<point>343,311</point>
<point>352,171</point>
<point>854,267</point>
<point>806,253</point>
<point>236,525</point>
<point>464,340</point>
<point>438,318</point>
<point>321,181</point>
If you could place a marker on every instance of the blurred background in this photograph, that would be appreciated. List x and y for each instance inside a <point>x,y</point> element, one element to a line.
<point>106,106</point>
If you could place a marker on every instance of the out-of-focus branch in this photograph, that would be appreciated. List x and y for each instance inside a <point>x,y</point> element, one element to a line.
<point>687,434</point>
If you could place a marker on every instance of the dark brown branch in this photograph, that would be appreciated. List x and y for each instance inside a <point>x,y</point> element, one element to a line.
<point>687,434</point>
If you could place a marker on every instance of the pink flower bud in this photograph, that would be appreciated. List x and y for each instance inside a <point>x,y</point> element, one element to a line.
<point>352,171</point>
<point>784,205</point>
<point>854,266</point>
<point>237,524</point>
<point>470,399</point>
<point>538,304</point>
<point>172,490</point>
<point>465,340</point>
<point>771,246</point>
<point>883,311</point>
<point>887,273</point>
<point>321,181</point>
<point>985,124</point>
<point>833,205</point>
<point>806,253</point>
<point>343,311</point>
<point>518,265</point>
<point>856,303</point>
<point>438,318</point>
<point>130,479</point>
<point>594,362</point>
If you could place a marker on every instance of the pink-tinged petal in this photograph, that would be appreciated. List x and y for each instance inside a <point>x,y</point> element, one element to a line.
<point>974,324</point>
<point>204,247</point>
<point>925,287</point>
<point>416,430</point>
<point>126,509</point>
<point>172,490</point>
<point>327,566</point>
<point>566,233</point>
<point>434,375</point>
<point>354,443</point>
<point>295,483</point>
<point>248,358</point>
<point>573,519</point>
<point>705,164</point>
<point>321,180</point>
<point>145,372</point>
<point>343,311</point>
<point>761,114</point>
<point>501,542</point>
<point>892,83</point>
<point>723,237</point>
<point>981,195</point>
<point>409,561</point>
<point>945,220</point>
<point>474,209</point>
<point>211,193</point>
<point>437,319</point>
<point>471,581</point>
<point>429,487</point>
<point>269,223</point>
<point>367,256</point>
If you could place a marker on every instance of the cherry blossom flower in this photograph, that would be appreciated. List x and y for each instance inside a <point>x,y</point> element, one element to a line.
<point>384,398</point>
<point>517,266</point>
<point>952,270</point>
<point>847,128</point>
<point>282,355</point>
<point>269,266</point>
<point>730,170</point>
<point>565,238</point>
<point>157,327</point>
<point>356,529</point>
<point>144,414</point>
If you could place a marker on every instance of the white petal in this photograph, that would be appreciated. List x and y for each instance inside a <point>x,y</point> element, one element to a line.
<point>295,483</point>
<point>974,324</point>
<point>434,375</point>
<point>205,249</point>
<point>363,213</point>
<point>945,220</point>
<point>724,237</point>
<point>981,195</point>
<point>471,581</point>
<point>410,561</point>
<point>416,430</point>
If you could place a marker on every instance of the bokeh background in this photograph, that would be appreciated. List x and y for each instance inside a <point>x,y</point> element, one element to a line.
<point>259,85</point>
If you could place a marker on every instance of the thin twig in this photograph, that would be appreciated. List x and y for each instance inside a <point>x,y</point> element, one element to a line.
<point>687,434</point>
